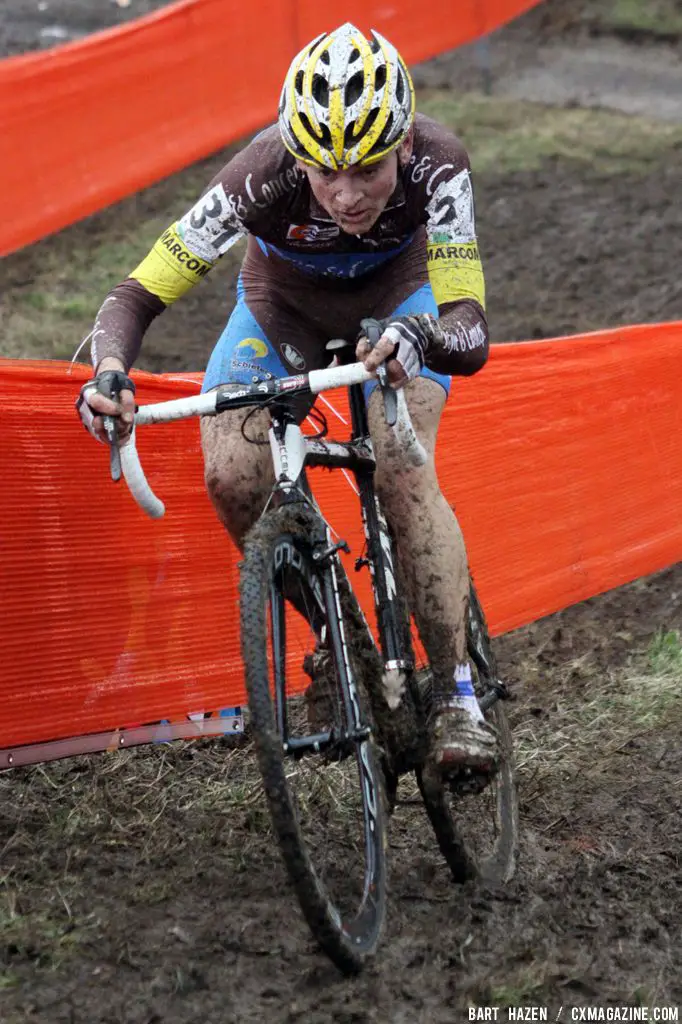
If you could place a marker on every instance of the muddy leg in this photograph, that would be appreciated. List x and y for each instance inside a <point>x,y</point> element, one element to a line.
<point>238,474</point>
<point>429,541</point>
<point>433,562</point>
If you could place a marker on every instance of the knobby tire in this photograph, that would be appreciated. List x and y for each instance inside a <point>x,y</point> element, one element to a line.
<point>349,945</point>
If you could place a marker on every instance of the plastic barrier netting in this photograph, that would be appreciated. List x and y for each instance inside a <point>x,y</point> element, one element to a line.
<point>89,122</point>
<point>563,458</point>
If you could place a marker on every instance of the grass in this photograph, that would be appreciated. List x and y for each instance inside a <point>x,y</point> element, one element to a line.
<point>581,740</point>
<point>50,292</point>
<point>509,136</point>
<point>524,990</point>
<point>660,19</point>
<point>638,20</point>
<point>151,819</point>
<point>586,749</point>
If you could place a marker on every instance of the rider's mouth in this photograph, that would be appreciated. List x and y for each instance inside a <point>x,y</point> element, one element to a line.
<point>354,218</point>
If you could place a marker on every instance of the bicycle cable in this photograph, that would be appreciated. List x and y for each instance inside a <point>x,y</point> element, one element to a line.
<point>314,414</point>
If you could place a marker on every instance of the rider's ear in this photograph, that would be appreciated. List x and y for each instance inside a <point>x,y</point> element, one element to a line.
<point>405,148</point>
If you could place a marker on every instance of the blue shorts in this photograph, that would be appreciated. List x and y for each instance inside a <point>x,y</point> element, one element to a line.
<point>245,354</point>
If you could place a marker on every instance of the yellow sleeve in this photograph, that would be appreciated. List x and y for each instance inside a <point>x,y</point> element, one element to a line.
<point>170,269</point>
<point>454,263</point>
<point>455,271</point>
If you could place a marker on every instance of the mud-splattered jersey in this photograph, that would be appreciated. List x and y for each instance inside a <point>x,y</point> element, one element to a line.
<point>262,193</point>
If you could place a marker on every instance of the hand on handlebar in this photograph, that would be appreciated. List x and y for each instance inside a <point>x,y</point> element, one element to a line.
<point>108,396</point>
<point>402,346</point>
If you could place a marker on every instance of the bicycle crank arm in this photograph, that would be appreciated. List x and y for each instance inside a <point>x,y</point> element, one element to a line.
<point>321,741</point>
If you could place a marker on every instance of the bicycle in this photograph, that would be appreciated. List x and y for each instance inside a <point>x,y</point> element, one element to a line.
<point>369,712</point>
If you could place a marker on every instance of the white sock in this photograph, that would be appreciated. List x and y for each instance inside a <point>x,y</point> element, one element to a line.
<point>463,695</point>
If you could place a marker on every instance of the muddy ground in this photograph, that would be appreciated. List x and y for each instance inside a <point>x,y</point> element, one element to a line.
<point>142,888</point>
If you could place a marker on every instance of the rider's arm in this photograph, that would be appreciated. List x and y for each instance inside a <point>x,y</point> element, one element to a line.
<point>191,246</point>
<point>181,257</point>
<point>455,342</point>
<point>170,269</point>
<point>458,338</point>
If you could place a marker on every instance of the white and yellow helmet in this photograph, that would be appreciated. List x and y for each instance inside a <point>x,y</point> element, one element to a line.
<point>346,100</point>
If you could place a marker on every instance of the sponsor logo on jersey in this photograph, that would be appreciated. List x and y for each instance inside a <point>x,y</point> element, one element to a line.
<point>453,252</point>
<point>423,168</point>
<point>170,269</point>
<point>293,356</point>
<point>312,232</point>
<point>254,348</point>
<point>455,272</point>
<point>170,241</point>
<point>270,191</point>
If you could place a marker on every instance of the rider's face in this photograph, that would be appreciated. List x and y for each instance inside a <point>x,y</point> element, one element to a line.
<point>355,198</point>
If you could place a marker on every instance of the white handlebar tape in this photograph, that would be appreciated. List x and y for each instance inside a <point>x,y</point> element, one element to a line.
<point>137,481</point>
<point>177,409</point>
<point>200,405</point>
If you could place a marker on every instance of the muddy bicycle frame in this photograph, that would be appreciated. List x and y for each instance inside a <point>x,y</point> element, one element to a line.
<point>292,451</point>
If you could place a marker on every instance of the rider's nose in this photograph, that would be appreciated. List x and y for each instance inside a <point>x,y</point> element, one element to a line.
<point>347,199</point>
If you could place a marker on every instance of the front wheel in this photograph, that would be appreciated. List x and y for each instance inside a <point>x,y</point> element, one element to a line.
<point>478,831</point>
<point>315,752</point>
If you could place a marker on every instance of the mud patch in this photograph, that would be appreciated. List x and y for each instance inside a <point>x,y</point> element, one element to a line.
<point>144,886</point>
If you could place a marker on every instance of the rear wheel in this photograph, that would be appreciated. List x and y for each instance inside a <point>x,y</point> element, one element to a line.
<point>478,829</point>
<point>315,752</point>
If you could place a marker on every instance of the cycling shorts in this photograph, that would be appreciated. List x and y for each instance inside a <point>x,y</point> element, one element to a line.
<point>246,352</point>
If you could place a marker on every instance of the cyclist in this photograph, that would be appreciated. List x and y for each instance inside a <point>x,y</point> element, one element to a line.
<point>353,206</point>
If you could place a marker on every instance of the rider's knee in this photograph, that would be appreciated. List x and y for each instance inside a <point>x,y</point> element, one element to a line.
<point>237,476</point>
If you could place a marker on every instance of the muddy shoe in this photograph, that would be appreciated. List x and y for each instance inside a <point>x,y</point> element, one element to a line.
<point>320,697</point>
<point>458,741</point>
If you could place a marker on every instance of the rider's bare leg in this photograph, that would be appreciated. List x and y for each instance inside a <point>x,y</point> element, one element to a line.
<point>239,474</point>
<point>239,478</point>
<point>433,562</point>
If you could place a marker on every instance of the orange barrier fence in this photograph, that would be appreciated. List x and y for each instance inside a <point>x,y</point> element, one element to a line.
<point>564,460</point>
<point>92,121</point>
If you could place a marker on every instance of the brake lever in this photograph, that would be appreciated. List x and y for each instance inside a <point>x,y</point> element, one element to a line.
<point>111,430</point>
<point>372,331</point>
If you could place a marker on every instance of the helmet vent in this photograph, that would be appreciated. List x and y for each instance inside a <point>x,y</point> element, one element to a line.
<point>354,88</point>
<point>324,135</point>
<point>320,90</point>
<point>349,138</point>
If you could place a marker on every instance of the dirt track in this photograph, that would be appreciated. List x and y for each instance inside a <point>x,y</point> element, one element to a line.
<point>138,890</point>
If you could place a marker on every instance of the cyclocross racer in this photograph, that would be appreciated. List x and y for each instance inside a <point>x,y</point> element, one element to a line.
<point>353,206</point>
